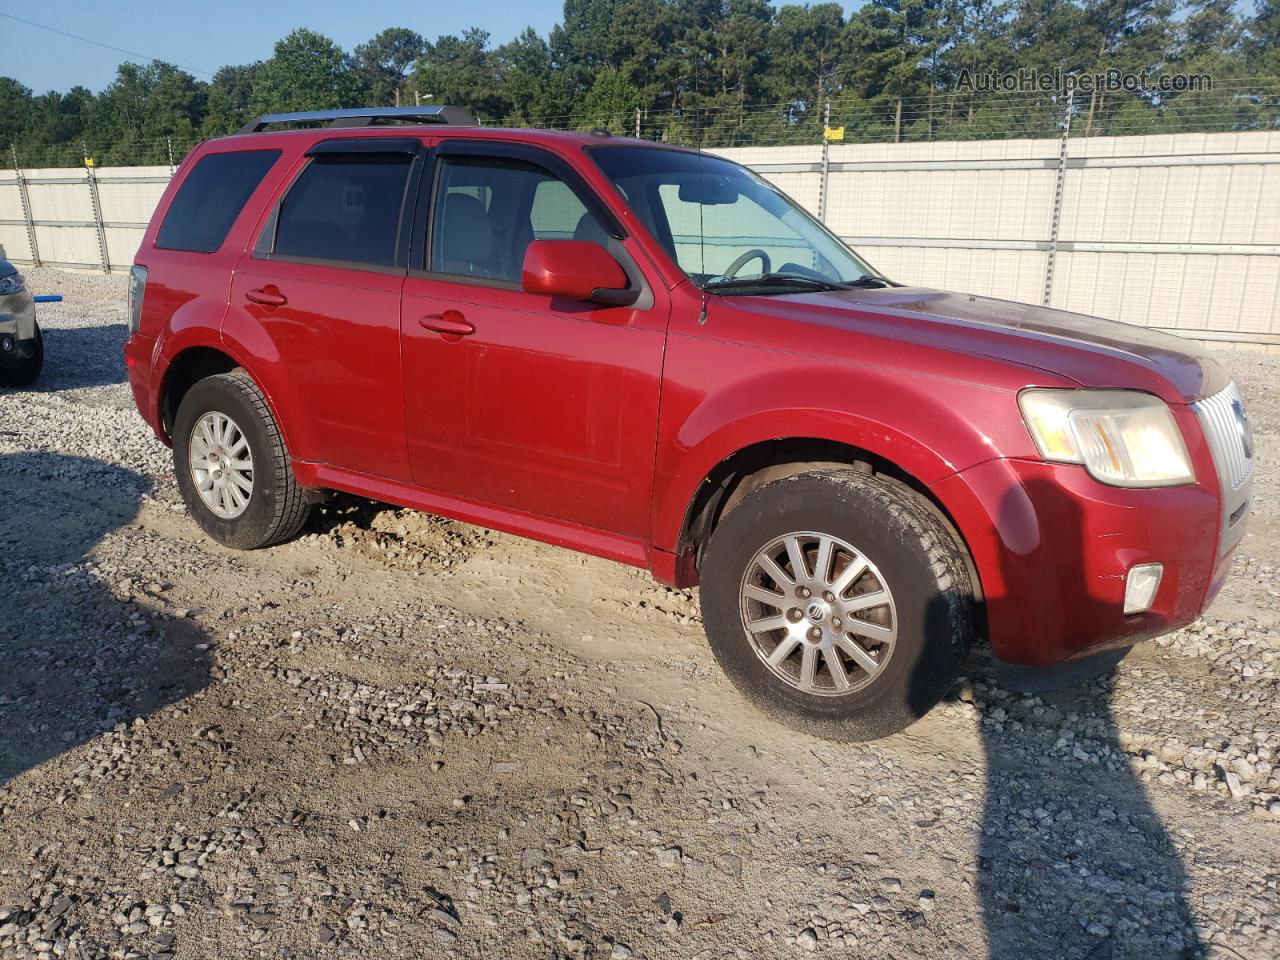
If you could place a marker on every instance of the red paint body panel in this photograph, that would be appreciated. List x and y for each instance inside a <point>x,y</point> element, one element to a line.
<point>594,427</point>
<point>548,408</point>
<point>337,341</point>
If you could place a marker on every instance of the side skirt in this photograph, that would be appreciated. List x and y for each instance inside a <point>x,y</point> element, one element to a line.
<point>560,533</point>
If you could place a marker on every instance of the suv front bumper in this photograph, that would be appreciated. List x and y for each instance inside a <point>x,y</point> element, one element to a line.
<point>1053,548</point>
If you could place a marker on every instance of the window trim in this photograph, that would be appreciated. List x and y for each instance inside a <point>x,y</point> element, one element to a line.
<point>264,246</point>
<point>468,149</point>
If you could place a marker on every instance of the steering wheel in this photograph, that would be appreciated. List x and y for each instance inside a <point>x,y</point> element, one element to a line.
<point>755,252</point>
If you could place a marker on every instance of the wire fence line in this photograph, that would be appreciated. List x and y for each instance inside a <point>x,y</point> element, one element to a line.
<point>1178,231</point>
<point>1233,104</point>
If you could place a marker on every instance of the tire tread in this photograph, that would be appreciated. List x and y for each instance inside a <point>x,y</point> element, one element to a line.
<point>290,502</point>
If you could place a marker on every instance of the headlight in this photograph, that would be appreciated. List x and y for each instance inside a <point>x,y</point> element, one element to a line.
<point>12,284</point>
<point>1123,437</point>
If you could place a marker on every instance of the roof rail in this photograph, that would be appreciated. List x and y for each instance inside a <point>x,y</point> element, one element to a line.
<point>365,117</point>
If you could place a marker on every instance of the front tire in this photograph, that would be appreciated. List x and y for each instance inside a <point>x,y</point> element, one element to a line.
<point>837,603</point>
<point>28,371</point>
<point>232,466</point>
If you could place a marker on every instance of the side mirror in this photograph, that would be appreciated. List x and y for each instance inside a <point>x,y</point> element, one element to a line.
<point>577,270</point>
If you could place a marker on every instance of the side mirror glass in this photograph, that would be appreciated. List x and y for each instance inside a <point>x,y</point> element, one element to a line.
<point>577,270</point>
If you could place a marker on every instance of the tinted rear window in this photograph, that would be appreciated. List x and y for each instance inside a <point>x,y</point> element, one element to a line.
<point>210,199</point>
<point>345,207</point>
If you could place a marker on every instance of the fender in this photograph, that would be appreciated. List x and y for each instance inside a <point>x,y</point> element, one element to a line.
<point>193,324</point>
<point>251,347</point>
<point>800,401</point>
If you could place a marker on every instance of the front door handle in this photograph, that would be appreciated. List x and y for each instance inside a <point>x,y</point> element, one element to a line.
<point>451,324</point>
<point>268,296</point>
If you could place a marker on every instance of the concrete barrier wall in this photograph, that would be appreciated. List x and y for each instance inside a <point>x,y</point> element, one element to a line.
<point>68,226</point>
<point>1179,232</point>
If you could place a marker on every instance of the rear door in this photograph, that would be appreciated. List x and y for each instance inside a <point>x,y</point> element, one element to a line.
<point>324,283</point>
<point>540,405</point>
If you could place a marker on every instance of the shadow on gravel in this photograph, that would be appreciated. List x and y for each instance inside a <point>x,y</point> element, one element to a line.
<point>79,357</point>
<point>1073,860</point>
<point>76,659</point>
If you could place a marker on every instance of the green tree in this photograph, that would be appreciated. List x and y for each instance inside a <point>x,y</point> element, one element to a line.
<point>230,99</point>
<point>385,62</point>
<point>1262,40</point>
<point>137,118</point>
<point>460,71</point>
<point>807,51</point>
<point>307,71</point>
<point>15,114</point>
<point>895,49</point>
<point>531,90</point>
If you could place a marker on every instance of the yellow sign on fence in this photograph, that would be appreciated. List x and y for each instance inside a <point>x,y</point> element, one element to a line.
<point>833,133</point>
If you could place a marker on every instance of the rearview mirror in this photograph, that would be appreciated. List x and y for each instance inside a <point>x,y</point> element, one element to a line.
<point>709,191</point>
<point>577,270</point>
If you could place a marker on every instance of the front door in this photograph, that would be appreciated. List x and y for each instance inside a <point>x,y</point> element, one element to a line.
<point>514,399</point>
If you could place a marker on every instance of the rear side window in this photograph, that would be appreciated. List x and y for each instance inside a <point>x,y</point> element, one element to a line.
<point>210,199</point>
<point>345,208</point>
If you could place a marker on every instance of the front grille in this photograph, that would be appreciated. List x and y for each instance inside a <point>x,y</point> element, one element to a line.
<point>1221,416</point>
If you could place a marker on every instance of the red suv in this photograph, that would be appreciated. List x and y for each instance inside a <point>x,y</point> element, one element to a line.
<point>652,355</point>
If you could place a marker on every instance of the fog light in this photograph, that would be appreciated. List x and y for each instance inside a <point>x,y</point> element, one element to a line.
<point>1140,586</point>
<point>6,344</point>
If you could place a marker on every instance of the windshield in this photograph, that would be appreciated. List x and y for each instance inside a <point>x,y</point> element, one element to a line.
<point>726,226</point>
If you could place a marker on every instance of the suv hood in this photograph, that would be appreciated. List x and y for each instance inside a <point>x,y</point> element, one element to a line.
<point>1091,351</point>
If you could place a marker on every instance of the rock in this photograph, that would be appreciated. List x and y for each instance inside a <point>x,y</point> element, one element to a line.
<point>1236,788</point>
<point>807,940</point>
<point>670,857</point>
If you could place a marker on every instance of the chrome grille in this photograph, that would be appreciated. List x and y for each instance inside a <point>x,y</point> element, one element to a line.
<point>1221,416</point>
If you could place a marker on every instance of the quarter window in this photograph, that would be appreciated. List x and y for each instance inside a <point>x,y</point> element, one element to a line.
<point>211,197</point>
<point>345,208</point>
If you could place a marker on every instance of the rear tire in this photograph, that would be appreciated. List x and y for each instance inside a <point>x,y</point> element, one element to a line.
<point>854,660</point>
<point>27,372</point>
<point>232,465</point>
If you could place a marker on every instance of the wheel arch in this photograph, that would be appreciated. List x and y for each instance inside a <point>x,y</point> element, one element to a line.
<point>195,361</point>
<point>187,368</point>
<point>744,470</point>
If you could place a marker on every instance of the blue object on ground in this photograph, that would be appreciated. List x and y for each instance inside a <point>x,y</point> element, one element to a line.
<point>48,298</point>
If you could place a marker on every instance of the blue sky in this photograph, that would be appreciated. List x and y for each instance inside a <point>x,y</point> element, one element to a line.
<point>203,37</point>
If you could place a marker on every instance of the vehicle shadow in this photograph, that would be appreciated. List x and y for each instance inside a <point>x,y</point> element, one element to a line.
<point>77,659</point>
<point>77,357</point>
<point>1073,860</point>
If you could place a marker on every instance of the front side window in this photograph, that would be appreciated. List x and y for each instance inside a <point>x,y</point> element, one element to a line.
<point>346,208</point>
<point>488,210</point>
<point>727,227</point>
<point>211,197</point>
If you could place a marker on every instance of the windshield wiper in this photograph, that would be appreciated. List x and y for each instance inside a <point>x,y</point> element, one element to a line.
<point>770,280</point>
<point>868,282</point>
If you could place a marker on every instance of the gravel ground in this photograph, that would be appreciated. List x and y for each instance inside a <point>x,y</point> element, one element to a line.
<point>403,736</point>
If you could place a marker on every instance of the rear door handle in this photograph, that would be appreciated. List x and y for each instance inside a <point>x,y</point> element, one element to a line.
<point>451,324</point>
<point>268,296</point>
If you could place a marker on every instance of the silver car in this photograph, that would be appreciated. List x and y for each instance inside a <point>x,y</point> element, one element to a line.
<point>21,346</point>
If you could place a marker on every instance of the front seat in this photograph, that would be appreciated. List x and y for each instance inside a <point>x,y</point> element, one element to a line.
<point>589,230</point>
<point>465,236</point>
